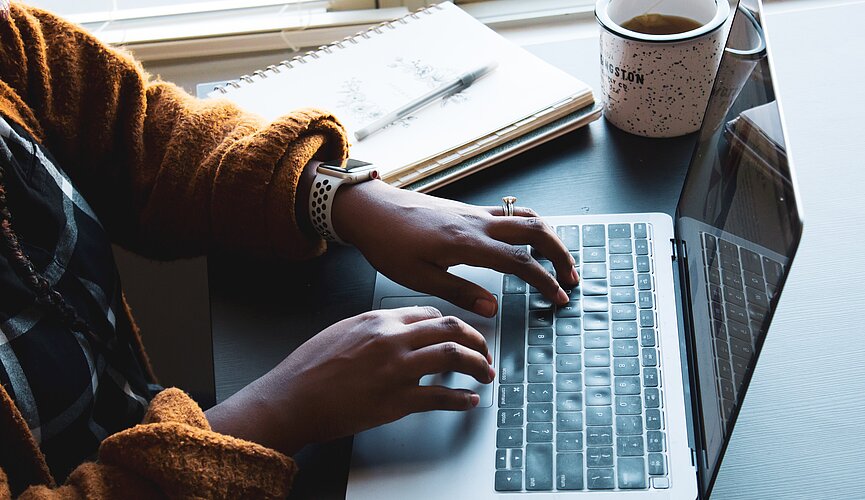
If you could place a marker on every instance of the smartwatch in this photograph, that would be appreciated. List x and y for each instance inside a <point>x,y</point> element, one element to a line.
<point>329,176</point>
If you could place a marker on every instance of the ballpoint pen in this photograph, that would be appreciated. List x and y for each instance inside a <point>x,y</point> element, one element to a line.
<point>458,84</point>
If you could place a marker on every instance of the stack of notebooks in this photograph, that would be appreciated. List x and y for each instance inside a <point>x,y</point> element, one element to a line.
<point>522,102</point>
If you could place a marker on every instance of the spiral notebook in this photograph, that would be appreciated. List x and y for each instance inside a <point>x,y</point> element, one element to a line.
<point>522,102</point>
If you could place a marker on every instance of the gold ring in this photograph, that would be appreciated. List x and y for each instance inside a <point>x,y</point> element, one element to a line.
<point>508,204</point>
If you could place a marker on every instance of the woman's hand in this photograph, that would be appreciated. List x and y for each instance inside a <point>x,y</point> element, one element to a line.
<point>413,239</point>
<point>357,374</point>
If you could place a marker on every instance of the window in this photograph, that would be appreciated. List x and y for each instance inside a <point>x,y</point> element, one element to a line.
<point>162,29</point>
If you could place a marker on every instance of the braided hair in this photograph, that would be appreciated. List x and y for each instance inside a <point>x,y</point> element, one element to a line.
<point>46,295</point>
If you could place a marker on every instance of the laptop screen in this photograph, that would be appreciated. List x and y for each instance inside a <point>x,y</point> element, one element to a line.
<point>739,224</point>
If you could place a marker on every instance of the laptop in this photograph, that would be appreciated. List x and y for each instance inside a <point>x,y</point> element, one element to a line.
<point>633,388</point>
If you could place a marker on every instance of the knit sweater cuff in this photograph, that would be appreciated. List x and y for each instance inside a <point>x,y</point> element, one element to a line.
<point>176,449</point>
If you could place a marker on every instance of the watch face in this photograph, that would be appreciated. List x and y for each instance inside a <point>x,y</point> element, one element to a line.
<point>348,166</point>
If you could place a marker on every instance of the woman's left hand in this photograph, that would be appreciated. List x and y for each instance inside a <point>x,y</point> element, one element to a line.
<point>414,238</point>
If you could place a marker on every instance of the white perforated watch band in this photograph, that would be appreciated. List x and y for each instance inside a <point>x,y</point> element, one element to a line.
<point>328,179</point>
<point>321,206</point>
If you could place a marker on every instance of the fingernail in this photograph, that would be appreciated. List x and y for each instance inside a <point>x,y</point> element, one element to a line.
<point>575,276</point>
<point>562,297</point>
<point>474,399</point>
<point>485,307</point>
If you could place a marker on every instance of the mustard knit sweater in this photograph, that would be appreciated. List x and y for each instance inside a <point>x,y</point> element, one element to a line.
<point>169,176</point>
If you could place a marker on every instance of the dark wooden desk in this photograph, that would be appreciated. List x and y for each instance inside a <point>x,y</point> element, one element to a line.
<point>260,314</point>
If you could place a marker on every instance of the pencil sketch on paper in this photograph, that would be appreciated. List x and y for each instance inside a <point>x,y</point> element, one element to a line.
<point>361,108</point>
<point>431,76</point>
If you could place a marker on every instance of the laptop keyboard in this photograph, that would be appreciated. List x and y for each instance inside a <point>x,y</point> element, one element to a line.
<point>580,400</point>
<point>741,284</point>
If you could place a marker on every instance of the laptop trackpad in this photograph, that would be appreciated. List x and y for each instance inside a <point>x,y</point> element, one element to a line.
<point>486,326</point>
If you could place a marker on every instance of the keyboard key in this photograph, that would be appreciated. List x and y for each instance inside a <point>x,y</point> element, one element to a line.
<point>569,471</point>
<point>641,246</point>
<point>741,348</point>
<point>736,313</point>
<point>596,357</point>
<point>538,301</point>
<point>539,393</point>
<point>598,377</point>
<point>594,255</point>
<point>734,296</point>
<point>727,248</point>
<point>569,382</point>
<point>594,287</point>
<point>630,446</point>
<point>650,377</point>
<point>570,236</point>
<point>650,356</point>
<point>626,366</point>
<point>598,396</point>
<point>772,270</point>
<point>631,473</point>
<point>572,309</point>
<point>624,312</point>
<point>568,326</point>
<point>628,405</point>
<point>621,278</point>
<point>516,459</point>
<point>540,336</point>
<point>569,421</point>
<point>509,438</point>
<point>756,297</point>
<point>647,337</point>
<point>596,321</point>
<point>595,304</point>
<point>539,432</point>
<point>569,441</point>
<point>657,464</point>
<point>620,262</point>
<point>540,373</point>
<point>540,319</point>
<point>593,235</point>
<point>594,271</point>
<point>568,345</point>
<point>513,284</point>
<point>600,479</point>
<point>653,419</point>
<point>619,231</point>
<point>511,396</point>
<point>751,261</point>
<point>622,295</point>
<point>643,265</point>
<point>539,466</point>
<point>620,246</point>
<point>501,459</point>
<point>655,441</point>
<point>732,279</point>
<point>568,363</point>
<point>640,230</point>
<point>599,436</point>
<point>599,415</point>
<point>601,456</point>
<point>624,330</point>
<point>646,301</point>
<point>653,397</point>
<point>512,339</point>
<point>569,401</point>
<point>629,425</point>
<point>539,412</point>
<point>644,281</point>
<point>598,339</point>
<point>625,348</point>
<point>754,281</point>
<point>548,266</point>
<point>541,355</point>
<point>509,480</point>
<point>627,385</point>
<point>647,317</point>
<point>511,417</point>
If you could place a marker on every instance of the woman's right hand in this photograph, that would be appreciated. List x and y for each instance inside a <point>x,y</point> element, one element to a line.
<point>357,374</point>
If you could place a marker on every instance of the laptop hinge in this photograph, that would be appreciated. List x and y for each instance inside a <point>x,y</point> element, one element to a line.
<point>675,248</point>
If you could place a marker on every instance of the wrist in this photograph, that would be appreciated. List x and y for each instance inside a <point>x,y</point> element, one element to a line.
<point>351,207</point>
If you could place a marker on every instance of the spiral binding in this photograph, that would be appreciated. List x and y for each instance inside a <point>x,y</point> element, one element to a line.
<point>324,49</point>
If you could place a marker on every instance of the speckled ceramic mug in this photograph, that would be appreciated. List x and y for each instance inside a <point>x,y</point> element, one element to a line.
<point>658,85</point>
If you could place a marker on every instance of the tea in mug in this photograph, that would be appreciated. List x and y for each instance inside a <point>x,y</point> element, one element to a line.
<point>660,24</point>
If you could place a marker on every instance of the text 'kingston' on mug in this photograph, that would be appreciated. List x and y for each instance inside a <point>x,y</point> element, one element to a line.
<point>655,82</point>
